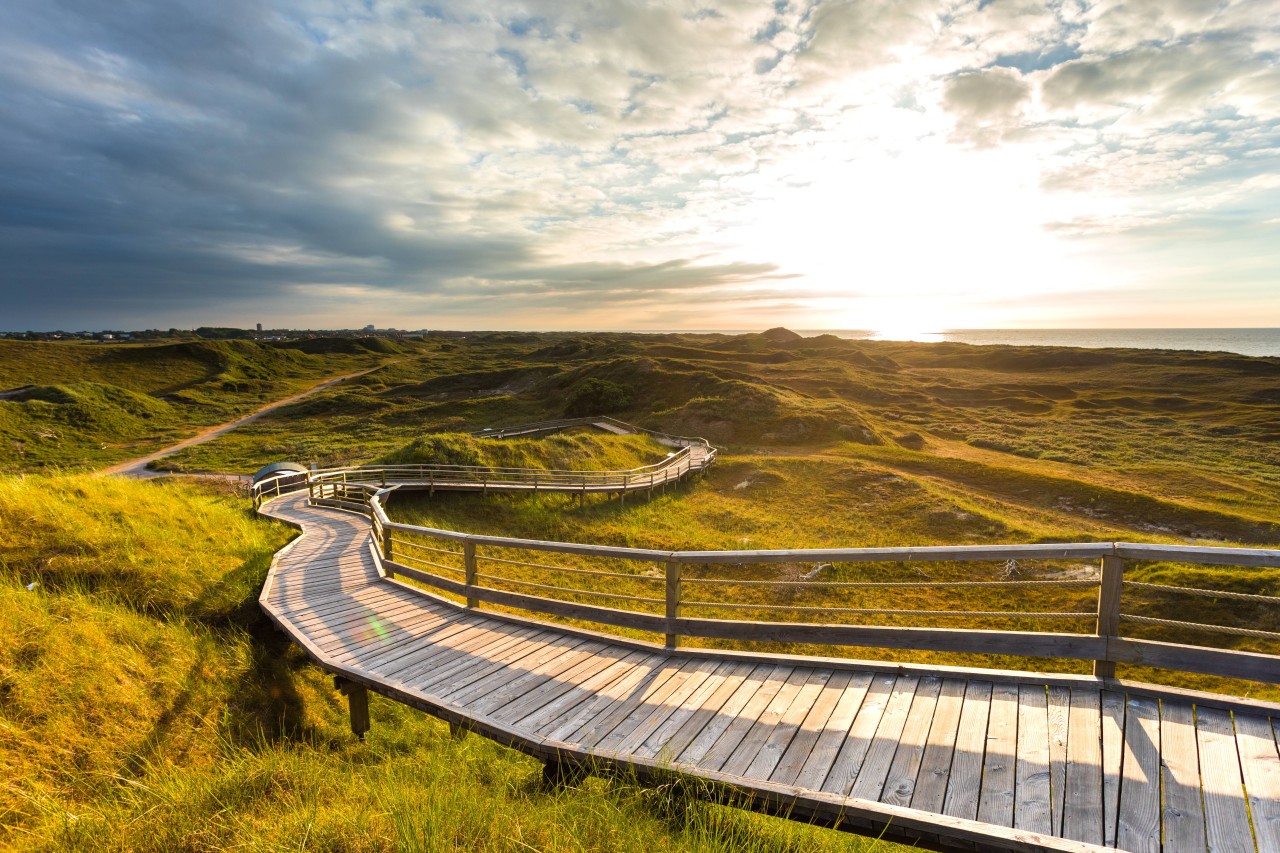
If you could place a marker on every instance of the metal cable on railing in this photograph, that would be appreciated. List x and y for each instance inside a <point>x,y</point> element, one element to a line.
<point>1102,642</point>
<point>433,564</point>
<point>1205,593</point>
<point>888,584</point>
<point>566,570</point>
<point>1197,626</point>
<point>881,611</point>
<point>570,590</point>
<point>409,544</point>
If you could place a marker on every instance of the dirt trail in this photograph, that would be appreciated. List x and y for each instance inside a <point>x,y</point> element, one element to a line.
<point>137,468</point>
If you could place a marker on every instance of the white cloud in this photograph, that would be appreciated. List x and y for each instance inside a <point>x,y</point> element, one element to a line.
<point>364,148</point>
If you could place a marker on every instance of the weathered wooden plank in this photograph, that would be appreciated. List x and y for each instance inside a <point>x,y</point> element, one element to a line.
<point>1082,811</point>
<point>768,754</point>
<point>364,632</point>
<point>511,677</point>
<point>620,706</point>
<point>1182,815</point>
<point>711,694</point>
<point>461,651</point>
<point>443,639</point>
<point>1059,708</point>
<point>1222,788</point>
<point>1203,555</point>
<point>900,783</point>
<point>448,645</point>
<point>634,681</point>
<point>286,604</point>
<point>657,707</point>
<point>999,769</point>
<point>763,678</point>
<point>499,665</point>
<point>354,609</point>
<point>1033,809</point>
<point>552,673</point>
<point>939,752</point>
<point>460,660</point>
<point>303,617</point>
<point>811,728</point>
<point>1261,764</point>
<point>879,757</point>
<point>849,743</point>
<point>717,706</point>
<point>568,704</point>
<point>1139,825</point>
<point>1113,721</point>
<point>767,702</point>
<point>965,782</point>
<point>439,640</point>
<point>602,724</point>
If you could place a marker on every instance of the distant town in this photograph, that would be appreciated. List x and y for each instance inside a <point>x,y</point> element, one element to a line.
<point>222,333</point>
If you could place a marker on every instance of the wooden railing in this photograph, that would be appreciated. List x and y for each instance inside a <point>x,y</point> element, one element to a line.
<point>483,477</point>
<point>694,454</point>
<point>677,593</point>
<point>479,569</point>
<point>568,423</point>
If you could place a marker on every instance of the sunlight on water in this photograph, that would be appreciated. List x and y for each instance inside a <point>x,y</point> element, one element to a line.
<point>908,334</point>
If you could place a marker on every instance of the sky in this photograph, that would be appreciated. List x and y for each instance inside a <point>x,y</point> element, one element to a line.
<point>905,165</point>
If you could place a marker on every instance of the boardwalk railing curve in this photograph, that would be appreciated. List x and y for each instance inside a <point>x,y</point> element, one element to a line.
<point>454,565</point>
<point>992,759</point>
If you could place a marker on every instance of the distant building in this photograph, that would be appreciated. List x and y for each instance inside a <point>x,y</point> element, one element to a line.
<point>370,328</point>
<point>259,327</point>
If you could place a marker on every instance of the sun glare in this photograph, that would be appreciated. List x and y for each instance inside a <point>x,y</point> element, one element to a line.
<point>921,242</point>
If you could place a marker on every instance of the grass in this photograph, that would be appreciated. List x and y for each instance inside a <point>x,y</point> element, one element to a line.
<point>149,705</point>
<point>90,404</point>
<point>784,501</point>
<point>146,704</point>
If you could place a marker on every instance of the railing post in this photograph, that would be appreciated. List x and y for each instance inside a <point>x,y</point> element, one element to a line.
<point>1109,611</point>
<point>673,602</point>
<point>469,563</point>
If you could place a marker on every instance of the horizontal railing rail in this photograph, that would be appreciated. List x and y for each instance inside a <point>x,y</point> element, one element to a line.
<point>664,609</point>
<point>569,423</point>
<point>671,593</point>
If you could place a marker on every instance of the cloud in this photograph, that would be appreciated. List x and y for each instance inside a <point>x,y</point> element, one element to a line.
<point>987,104</point>
<point>195,163</point>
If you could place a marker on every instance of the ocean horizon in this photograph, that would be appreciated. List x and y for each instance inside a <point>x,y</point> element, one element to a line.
<point>1252,342</point>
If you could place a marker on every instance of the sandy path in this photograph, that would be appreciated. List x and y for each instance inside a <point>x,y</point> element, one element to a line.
<point>137,468</point>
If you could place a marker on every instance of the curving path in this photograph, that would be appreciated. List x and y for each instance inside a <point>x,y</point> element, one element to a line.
<point>137,468</point>
<point>1000,760</point>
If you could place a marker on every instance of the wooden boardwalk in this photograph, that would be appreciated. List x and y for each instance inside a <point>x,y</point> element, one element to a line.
<point>1000,760</point>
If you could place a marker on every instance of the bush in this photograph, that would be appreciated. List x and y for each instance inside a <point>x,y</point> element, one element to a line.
<point>597,397</point>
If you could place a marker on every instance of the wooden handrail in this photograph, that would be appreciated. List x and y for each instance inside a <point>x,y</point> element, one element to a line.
<point>1105,646</point>
<point>364,488</point>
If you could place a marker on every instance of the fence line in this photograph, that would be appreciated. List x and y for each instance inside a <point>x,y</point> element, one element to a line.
<point>365,489</point>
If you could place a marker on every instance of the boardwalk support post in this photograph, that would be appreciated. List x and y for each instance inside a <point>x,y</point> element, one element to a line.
<point>673,603</point>
<point>1109,611</point>
<point>469,564</point>
<point>558,774</point>
<point>357,704</point>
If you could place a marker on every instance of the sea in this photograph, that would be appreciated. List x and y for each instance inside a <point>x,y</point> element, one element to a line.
<point>1257,342</point>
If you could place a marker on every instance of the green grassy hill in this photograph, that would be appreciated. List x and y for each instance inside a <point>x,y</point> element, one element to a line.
<point>79,404</point>
<point>148,705</point>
